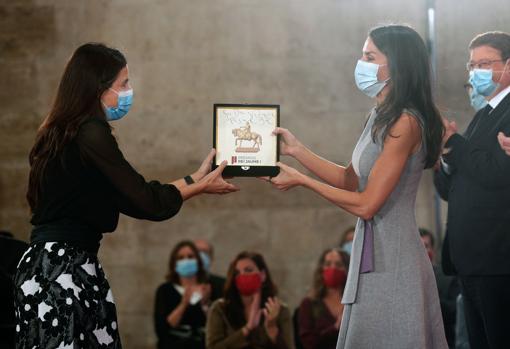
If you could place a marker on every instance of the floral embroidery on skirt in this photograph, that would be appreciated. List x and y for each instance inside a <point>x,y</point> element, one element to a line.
<point>63,300</point>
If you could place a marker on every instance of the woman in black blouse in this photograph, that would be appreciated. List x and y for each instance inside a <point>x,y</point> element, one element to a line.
<point>79,183</point>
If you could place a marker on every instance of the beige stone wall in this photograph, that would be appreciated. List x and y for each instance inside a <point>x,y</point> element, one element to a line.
<point>185,55</point>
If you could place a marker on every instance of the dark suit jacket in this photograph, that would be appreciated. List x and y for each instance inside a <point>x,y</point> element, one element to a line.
<point>217,285</point>
<point>477,238</point>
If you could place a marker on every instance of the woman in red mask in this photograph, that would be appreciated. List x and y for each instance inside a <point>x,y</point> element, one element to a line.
<point>320,313</point>
<point>249,315</point>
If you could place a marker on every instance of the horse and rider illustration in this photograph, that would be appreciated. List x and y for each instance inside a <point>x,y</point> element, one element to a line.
<point>244,133</point>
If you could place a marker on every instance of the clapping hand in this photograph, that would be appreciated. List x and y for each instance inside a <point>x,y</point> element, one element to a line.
<point>255,313</point>
<point>271,311</point>
<point>504,142</point>
<point>186,297</point>
<point>450,129</point>
<point>338,321</point>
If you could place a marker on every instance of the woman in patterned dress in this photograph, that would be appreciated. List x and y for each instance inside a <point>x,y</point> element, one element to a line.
<point>79,183</point>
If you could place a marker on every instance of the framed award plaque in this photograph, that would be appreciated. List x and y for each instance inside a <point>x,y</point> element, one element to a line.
<point>243,136</point>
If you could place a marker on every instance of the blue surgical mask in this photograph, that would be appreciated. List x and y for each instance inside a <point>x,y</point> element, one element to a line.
<point>365,76</point>
<point>206,260</point>
<point>477,101</point>
<point>347,247</point>
<point>187,267</point>
<point>124,102</point>
<point>481,80</point>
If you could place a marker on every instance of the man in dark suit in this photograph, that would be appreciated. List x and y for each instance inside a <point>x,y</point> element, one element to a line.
<point>474,177</point>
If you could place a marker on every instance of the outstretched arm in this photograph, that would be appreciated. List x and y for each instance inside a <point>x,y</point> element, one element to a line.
<point>402,141</point>
<point>137,197</point>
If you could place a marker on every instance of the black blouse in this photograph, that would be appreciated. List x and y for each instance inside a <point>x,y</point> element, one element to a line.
<point>85,188</point>
<point>190,333</point>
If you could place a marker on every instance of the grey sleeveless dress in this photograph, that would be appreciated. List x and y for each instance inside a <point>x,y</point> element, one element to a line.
<point>396,306</point>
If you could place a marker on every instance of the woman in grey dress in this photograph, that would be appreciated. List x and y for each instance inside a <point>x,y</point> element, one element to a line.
<point>390,300</point>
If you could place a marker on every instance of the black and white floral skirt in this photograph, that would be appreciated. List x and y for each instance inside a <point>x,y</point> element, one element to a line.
<point>63,300</point>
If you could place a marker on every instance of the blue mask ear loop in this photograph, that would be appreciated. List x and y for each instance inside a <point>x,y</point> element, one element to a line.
<point>503,71</point>
<point>387,79</point>
<point>498,83</point>
<point>382,65</point>
<point>104,105</point>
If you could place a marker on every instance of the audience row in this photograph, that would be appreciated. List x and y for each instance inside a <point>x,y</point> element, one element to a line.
<point>196,309</point>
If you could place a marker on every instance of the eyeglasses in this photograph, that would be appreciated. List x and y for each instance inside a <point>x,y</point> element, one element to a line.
<point>484,64</point>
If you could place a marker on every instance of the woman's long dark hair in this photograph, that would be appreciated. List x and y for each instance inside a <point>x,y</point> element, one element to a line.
<point>91,70</point>
<point>234,308</point>
<point>410,86</point>
<point>172,275</point>
<point>319,289</point>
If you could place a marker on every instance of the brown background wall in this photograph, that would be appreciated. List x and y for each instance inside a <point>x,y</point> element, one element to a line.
<point>185,55</point>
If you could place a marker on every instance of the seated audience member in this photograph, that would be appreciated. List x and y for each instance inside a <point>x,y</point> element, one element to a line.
<point>346,239</point>
<point>249,315</point>
<point>11,251</point>
<point>447,286</point>
<point>207,254</point>
<point>182,302</point>
<point>320,313</point>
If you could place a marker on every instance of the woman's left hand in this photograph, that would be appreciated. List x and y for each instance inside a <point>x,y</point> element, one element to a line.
<point>287,178</point>
<point>271,311</point>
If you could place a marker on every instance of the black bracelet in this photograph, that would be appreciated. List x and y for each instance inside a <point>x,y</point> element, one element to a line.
<point>189,180</point>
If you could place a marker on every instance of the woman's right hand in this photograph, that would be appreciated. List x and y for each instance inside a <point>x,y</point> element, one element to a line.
<point>186,297</point>
<point>289,144</point>
<point>255,313</point>
<point>450,128</point>
<point>338,321</point>
<point>213,183</point>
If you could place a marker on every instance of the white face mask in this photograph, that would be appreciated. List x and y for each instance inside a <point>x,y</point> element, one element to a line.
<point>366,79</point>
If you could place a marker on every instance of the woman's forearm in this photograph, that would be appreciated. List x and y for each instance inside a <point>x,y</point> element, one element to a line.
<point>272,332</point>
<point>188,190</point>
<point>353,202</point>
<point>333,174</point>
<point>175,317</point>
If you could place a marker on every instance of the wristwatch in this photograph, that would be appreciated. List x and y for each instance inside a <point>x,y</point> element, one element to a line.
<point>189,180</point>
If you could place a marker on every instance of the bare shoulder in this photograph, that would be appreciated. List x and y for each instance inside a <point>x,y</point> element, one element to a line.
<point>406,124</point>
<point>406,132</point>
